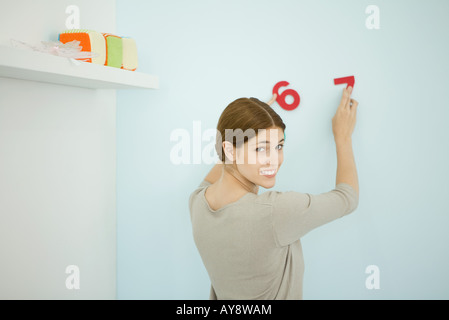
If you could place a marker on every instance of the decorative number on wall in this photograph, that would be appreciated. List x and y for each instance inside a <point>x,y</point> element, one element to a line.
<point>349,80</point>
<point>288,92</point>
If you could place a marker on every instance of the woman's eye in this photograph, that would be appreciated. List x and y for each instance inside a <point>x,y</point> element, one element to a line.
<point>279,147</point>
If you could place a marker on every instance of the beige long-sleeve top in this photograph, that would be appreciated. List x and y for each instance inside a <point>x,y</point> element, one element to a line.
<point>251,248</point>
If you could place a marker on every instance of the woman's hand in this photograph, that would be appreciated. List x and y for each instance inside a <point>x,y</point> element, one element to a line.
<point>343,122</point>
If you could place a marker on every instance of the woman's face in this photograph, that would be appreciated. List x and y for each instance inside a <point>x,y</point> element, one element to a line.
<point>260,158</point>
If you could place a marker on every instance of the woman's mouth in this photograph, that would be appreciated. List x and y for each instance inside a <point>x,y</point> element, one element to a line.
<point>268,173</point>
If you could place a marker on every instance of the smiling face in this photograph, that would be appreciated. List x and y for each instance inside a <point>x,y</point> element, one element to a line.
<point>258,160</point>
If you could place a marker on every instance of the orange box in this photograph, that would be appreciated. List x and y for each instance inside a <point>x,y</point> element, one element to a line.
<point>90,41</point>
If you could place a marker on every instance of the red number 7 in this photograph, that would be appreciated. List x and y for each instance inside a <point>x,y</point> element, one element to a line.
<point>349,80</point>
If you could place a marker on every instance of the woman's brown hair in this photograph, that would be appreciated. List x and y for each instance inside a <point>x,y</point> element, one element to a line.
<point>241,115</point>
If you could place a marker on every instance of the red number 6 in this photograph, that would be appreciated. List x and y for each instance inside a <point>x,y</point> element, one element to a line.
<point>280,99</point>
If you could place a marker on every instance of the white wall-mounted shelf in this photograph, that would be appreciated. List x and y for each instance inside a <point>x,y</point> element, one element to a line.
<point>37,66</point>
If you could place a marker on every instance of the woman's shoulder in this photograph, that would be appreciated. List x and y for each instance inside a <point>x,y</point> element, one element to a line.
<point>266,198</point>
<point>204,184</point>
<point>275,197</point>
<point>196,192</point>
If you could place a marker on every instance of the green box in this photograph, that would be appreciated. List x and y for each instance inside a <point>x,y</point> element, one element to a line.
<point>114,51</point>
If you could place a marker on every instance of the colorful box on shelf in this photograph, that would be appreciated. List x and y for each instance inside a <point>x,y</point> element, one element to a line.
<point>129,54</point>
<point>114,53</point>
<point>112,50</point>
<point>90,41</point>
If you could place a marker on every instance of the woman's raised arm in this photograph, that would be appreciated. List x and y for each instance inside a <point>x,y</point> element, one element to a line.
<point>343,124</point>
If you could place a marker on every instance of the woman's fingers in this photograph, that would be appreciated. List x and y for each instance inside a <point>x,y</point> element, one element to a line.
<point>353,106</point>
<point>273,99</point>
<point>345,99</point>
<point>349,104</point>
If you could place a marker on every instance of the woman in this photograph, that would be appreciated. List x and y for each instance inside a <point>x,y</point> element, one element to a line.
<point>250,242</point>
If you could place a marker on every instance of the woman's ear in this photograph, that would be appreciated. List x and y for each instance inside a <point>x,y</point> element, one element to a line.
<point>229,151</point>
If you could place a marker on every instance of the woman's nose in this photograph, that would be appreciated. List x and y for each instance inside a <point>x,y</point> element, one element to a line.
<point>271,159</point>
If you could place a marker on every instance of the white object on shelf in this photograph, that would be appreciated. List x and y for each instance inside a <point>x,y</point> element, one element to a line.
<point>37,66</point>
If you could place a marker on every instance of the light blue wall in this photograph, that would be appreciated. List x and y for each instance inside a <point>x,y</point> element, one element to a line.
<point>209,53</point>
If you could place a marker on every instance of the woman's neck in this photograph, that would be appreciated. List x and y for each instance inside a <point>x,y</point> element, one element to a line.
<point>231,179</point>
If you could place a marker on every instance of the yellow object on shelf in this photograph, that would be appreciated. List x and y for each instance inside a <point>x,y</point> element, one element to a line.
<point>129,54</point>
